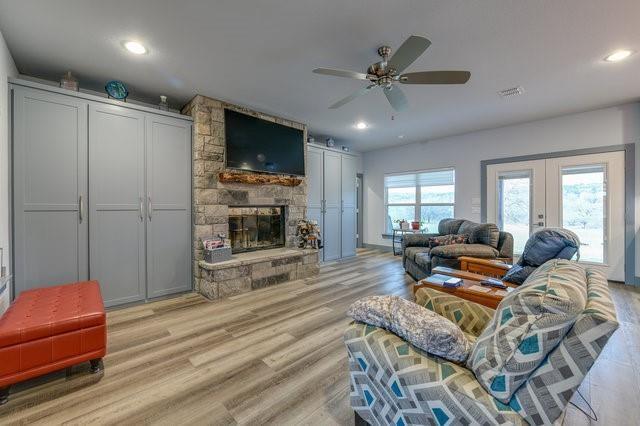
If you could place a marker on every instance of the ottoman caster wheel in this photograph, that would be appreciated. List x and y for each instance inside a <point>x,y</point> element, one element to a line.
<point>96,366</point>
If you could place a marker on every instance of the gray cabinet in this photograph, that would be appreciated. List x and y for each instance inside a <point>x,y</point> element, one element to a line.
<point>331,200</point>
<point>116,191</point>
<point>168,205</point>
<point>50,226</point>
<point>332,206</point>
<point>100,191</point>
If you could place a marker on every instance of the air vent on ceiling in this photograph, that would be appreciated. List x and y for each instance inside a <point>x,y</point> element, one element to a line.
<point>509,93</point>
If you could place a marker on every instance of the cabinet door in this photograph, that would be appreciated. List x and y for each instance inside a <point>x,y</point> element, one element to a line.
<point>168,205</point>
<point>333,199</point>
<point>49,189</point>
<point>116,188</point>
<point>314,187</point>
<point>348,175</point>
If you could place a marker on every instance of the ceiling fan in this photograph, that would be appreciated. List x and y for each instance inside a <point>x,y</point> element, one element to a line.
<point>387,72</point>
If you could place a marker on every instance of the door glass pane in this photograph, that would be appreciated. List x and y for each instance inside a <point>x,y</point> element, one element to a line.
<point>583,205</point>
<point>514,207</point>
<point>437,194</point>
<point>404,195</point>
<point>395,213</point>
<point>431,216</point>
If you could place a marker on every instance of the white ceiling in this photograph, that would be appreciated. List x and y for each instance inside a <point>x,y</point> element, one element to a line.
<point>261,53</point>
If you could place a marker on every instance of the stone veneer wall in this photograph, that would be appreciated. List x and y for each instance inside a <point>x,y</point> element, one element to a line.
<point>211,198</point>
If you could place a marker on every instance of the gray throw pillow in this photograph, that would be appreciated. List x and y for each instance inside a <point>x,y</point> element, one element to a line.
<point>485,233</point>
<point>419,326</point>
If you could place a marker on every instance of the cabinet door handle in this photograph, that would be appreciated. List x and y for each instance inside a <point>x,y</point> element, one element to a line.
<point>149,206</point>
<point>80,208</point>
<point>141,208</point>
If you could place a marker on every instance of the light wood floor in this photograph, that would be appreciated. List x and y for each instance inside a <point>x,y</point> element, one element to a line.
<point>273,356</point>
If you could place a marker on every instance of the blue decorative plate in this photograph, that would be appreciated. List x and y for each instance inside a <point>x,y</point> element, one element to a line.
<point>117,90</point>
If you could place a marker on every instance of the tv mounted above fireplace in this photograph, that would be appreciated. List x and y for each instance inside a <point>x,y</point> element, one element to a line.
<point>262,146</point>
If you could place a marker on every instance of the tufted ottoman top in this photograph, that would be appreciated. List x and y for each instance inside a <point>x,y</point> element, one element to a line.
<point>50,311</point>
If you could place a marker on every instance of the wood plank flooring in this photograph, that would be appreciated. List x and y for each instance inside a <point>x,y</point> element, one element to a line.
<point>273,356</point>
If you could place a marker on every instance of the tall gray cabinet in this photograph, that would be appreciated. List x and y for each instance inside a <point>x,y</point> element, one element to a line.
<point>331,200</point>
<point>100,191</point>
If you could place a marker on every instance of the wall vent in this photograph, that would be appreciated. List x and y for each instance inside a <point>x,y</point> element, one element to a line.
<point>509,93</point>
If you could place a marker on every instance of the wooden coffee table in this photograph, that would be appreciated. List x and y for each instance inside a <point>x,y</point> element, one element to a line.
<point>469,290</point>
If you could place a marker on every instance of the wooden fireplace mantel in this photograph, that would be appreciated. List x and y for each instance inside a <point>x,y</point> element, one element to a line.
<point>258,179</point>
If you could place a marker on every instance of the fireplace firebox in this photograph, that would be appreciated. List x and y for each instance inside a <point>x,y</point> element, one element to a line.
<point>256,228</point>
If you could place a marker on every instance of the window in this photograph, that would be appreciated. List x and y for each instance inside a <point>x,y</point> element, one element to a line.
<point>425,197</point>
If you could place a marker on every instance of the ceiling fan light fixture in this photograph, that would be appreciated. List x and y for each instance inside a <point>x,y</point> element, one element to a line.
<point>361,125</point>
<point>618,55</point>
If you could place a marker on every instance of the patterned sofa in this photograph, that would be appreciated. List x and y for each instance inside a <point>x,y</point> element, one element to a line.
<point>393,382</point>
<point>486,242</point>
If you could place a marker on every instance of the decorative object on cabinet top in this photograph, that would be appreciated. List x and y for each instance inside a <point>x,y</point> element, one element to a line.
<point>54,87</point>
<point>117,90</point>
<point>258,179</point>
<point>69,82</point>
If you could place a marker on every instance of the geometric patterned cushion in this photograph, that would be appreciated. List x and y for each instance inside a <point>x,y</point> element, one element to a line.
<point>528,324</point>
<point>471,317</point>
<point>395,383</point>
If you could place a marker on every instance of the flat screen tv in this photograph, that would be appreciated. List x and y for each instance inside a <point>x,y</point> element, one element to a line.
<point>262,146</point>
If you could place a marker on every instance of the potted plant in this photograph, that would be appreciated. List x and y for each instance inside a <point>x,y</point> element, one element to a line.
<point>402,224</point>
<point>415,225</point>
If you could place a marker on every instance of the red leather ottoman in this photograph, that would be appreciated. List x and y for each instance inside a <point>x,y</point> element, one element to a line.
<point>49,329</point>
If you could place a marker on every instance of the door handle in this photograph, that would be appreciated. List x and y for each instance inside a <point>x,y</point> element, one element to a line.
<point>149,206</point>
<point>141,208</point>
<point>80,208</point>
<point>342,205</point>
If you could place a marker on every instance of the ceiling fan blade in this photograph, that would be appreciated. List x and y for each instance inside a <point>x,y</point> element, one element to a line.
<point>351,97</point>
<point>410,50</point>
<point>435,77</point>
<point>341,73</point>
<point>396,98</point>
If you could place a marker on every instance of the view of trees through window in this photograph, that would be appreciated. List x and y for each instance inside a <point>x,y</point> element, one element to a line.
<point>583,210</point>
<point>514,213</point>
<point>426,197</point>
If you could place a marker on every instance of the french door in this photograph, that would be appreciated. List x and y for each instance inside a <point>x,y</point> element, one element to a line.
<point>583,193</point>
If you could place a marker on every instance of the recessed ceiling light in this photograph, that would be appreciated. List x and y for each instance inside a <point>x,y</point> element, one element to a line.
<point>400,136</point>
<point>135,47</point>
<point>361,125</point>
<point>618,55</point>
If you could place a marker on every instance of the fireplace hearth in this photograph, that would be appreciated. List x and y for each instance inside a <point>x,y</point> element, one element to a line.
<point>256,228</point>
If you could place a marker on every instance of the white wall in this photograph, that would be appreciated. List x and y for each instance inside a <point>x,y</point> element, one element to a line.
<point>610,126</point>
<point>7,69</point>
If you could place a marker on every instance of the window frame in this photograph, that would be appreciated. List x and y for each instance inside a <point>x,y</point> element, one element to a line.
<point>418,204</point>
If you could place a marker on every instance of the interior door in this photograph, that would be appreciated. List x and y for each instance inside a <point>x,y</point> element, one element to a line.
<point>315,195</point>
<point>583,193</point>
<point>349,226</point>
<point>168,205</point>
<point>49,189</point>
<point>116,188</point>
<point>332,205</point>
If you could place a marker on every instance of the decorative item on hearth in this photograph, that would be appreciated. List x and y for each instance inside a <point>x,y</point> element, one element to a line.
<point>308,234</point>
<point>116,90</point>
<point>69,82</point>
<point>163,105</point>
<point>217,249</point>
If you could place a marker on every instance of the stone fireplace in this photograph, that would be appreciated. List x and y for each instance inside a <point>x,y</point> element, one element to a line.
<point>218,203</point>
<point>256,228</point>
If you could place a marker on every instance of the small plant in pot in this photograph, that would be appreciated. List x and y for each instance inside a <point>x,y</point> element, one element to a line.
<point>415,225</point>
